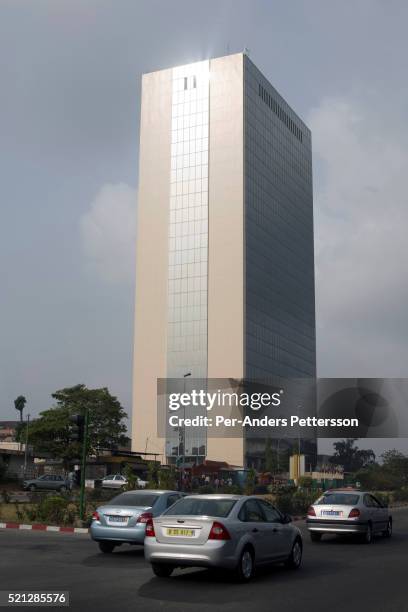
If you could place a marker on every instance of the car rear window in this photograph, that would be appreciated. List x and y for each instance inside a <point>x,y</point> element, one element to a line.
<point>134,499</point>
<point>201,507</point>
<point>340,499</point>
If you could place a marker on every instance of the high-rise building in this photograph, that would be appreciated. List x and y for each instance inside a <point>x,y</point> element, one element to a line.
<point>225,256</point>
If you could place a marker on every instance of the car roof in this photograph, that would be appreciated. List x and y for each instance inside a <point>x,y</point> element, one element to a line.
<point>345,490</point>
<point>146,491</point>
<point>217,496</point>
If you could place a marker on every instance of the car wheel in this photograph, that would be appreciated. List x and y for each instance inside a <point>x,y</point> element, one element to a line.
<point>245,568</point>
<point>161,570</point>
<point>106,547</point>
<point>368,536</point>
<point>32,487</point>
<point>63,489</point>
<point>295,558</point>
<point>315,537</point>
<point>388,532</point>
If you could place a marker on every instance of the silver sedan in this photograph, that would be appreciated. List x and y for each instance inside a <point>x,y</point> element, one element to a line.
<point>234,532</point>
<point>123,519</point>
<point>348,511</point>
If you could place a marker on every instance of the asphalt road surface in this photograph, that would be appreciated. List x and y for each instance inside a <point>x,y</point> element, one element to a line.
<point>336,575</point>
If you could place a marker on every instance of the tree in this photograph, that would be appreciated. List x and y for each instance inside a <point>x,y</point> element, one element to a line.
<point>395,464</point>
<point>271,464</point>
<point>350,456</point>
<point>53,432</point>
<point>250,482</point>
<point>19,404</point>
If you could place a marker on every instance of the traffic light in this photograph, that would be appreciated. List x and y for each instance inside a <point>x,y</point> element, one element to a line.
<point>78,431</point>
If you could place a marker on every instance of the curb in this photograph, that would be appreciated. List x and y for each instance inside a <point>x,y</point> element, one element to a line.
<point>38,527</point>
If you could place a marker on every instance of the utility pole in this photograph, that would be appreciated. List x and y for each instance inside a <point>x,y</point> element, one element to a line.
<point>82,423</point>
<point>26,445</point>
<point>83,466</point>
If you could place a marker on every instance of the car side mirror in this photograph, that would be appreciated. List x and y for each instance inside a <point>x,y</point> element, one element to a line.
<point>286,519</point>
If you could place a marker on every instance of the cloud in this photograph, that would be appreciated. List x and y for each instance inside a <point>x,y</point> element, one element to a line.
<point>108,232</point>
<point>361,216</point>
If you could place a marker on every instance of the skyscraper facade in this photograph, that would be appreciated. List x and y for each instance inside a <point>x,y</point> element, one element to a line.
<point>225,257</point>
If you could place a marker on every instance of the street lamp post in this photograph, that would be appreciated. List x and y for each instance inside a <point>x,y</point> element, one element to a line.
<point>184,423</point>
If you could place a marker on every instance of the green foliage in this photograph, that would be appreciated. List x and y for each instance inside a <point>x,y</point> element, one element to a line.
<point>51,509</point>
<point>283,498</point>
<point>305,482</point>
<point>395,464</point>
<point>292,500</point>
<point>383,498</point>
<point>167,478</point>
<point>19,403</point>
<point>271,457</point>
<point>99,495</point>
<point>350,456</point>
<point>5,496</point>
<point>250,482</point>
<point>153,475</point>
<point>19,511</point>
<point>53,432</point>
<point>130,477</point>
<point>376,478</point>
<point>54,510</point>
<point>206,489</point>
<point>401,495</point>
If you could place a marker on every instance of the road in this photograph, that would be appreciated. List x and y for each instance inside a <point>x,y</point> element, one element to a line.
<point>337,575</point>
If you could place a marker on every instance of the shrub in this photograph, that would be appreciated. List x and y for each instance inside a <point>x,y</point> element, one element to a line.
<point>306,482</point>
<point>19,512</point>
<point>99,495</point>
<point>401,494</point>
<point>383,498</point>
<point>295,501</point>
<point>167,478</point>
<point>51,509</point>
<point>250,482</point>
<point>5,496</point>
<point>131,478</point>
<point>206,489</point>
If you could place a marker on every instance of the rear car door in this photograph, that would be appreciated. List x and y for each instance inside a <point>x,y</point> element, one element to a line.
<point>251,514</point>
<point>369,510</point>
<point>278,534</point>
<point>381,514</point>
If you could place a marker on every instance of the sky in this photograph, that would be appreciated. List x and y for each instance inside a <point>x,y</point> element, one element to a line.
<point>70,74</point>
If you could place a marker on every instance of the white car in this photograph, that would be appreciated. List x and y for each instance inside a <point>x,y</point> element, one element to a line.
<point>114,481</point>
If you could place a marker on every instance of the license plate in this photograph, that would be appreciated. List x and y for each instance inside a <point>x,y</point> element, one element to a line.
<point>186,533</point>
<point>118,519</point>
<point>331,512</point>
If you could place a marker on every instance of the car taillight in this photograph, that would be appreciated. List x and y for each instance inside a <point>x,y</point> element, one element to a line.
<point>218,532</point>
<point>354,513</point>
<point>149,533</point>
<point>311,511</point>
<point>144,517</point>
<point>95,516</point>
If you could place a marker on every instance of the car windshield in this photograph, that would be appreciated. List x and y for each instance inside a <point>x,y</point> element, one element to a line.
<point>201,507</point>
<point>134,499</point>
<point>338,499</point>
